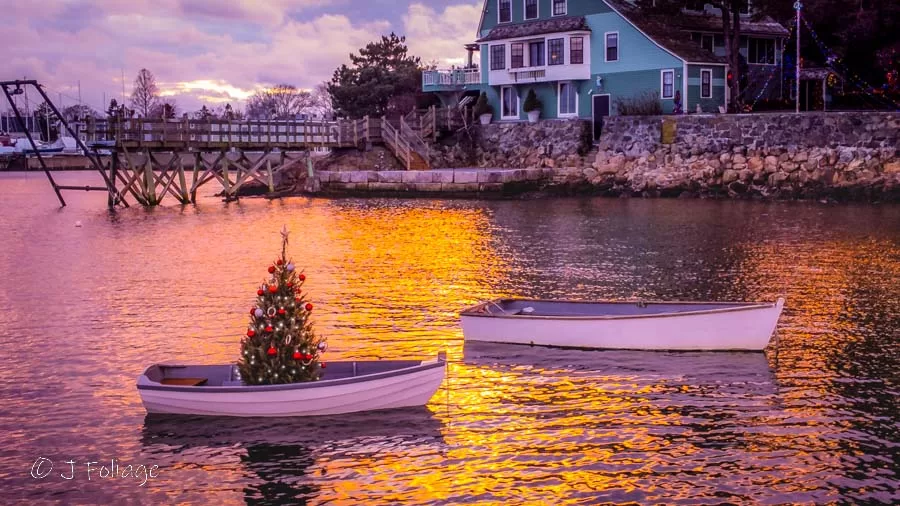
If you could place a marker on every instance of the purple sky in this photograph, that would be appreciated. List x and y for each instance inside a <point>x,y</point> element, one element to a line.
<point>214,51</point>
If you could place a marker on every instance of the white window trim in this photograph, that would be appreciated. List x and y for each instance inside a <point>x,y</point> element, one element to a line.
<point>706,71</point>
<point>662,84</point>
<point>559,100</point>
<point>525,11</point>
<point>566,11</point>
<point>605,51</point>
<point>499,21</point>
<point>516,94</point>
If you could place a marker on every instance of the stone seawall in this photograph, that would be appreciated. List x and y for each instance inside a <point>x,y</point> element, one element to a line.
<point>845,156</point>
<point>452,182</point>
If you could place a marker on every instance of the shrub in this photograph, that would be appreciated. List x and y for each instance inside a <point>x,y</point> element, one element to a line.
<point>531,102</point>
<point>644,104</point>
<point>482,106</point>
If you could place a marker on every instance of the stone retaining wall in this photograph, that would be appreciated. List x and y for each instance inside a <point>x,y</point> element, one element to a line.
<point>852,155</point>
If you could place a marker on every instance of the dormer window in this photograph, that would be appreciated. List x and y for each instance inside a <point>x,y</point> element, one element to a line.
<point>531,9</point>
<point>504,11</point>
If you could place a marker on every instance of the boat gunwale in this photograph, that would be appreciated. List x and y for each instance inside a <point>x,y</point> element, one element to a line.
<point>425,365</point>
<point>738,306</point>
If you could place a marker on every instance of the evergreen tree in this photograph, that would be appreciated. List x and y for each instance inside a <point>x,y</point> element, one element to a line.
<point>280,346</point>
<point>382,73</point>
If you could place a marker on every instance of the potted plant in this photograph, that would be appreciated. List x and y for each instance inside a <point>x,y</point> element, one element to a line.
<point>483,109</point>
<point>532,106</point>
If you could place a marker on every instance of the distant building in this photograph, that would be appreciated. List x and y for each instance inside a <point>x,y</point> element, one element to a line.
<point>583,57</point>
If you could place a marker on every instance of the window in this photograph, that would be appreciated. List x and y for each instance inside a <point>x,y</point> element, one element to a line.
<point>612,46</point>
<point>498,57</point>
<point>557,51</point>
<point>745,8</point>
<point>531,9</point>
<point>568,100</point>
<point>504,11</point>
<point>668,83</point>
<point>536,54</point>
<point>705,83</point>
<point>706,42</point>
<point>576,46</point>
<point>559,7</point>
<point>516,58</point>
<point>761,51</point>
<point>510,103</point>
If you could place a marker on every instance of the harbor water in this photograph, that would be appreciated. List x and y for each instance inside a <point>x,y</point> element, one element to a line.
<point>92,297</point>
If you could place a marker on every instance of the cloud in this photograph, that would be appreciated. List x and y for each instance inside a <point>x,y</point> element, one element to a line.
<point>212,51</point>
<point>441,35</point>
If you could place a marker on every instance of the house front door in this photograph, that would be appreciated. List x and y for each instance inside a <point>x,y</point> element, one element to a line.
<point>600,110</point>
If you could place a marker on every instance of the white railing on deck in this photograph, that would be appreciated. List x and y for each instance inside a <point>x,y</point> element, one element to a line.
<point>452,77</point>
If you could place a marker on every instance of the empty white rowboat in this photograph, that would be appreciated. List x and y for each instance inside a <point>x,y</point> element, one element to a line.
<point>624,325</point>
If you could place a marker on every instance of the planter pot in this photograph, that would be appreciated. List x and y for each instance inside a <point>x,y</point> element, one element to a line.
<point>486,119</point>
<point>533,116</point>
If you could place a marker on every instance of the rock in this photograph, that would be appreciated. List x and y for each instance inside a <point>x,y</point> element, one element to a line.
<point>801,156</point>
<point>739,159</point>
<point>590,174</point>
<point>755,163</point>
<point>730,176</point>
<point>771,163</point>
<point>891,168</point>
<point>789,166</point>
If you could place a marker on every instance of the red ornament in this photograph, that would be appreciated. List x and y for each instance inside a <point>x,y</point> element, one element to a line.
<point>272,351</point>
<point>251,333</point>
<point>271,269</point>
<point>302,277</point>
<point>281,311</point>
<point>297,300</point>
<point>273,289</point>
<point>279,262</point>
<point>322,365</point>
<point>268,328</point>
<point>252,311</point>
<point>290,285</point>
<point>260,292</point>
<point>309,306</point>
<point>297,355</point>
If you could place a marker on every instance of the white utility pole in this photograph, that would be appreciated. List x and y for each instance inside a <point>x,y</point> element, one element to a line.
<point>798,6</point>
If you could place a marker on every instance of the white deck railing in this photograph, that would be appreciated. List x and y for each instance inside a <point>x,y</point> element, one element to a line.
<point>452,77</point>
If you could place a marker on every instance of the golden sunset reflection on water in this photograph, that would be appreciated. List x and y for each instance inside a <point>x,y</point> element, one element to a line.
<point>811,422</point>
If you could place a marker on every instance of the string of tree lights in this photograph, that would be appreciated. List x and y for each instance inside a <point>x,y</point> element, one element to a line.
<point>832,58</point>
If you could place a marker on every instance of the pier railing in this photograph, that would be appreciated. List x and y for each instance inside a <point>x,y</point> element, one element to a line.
<point>216,133</point>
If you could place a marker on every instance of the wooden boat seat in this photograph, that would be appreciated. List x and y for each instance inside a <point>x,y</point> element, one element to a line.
<point>185,382</point>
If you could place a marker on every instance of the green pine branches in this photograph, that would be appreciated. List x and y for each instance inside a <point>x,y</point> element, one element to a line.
<point>280,346</point>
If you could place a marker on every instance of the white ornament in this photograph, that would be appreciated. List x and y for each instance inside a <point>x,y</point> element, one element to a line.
<point>323,346</point>
<point>271,311</point>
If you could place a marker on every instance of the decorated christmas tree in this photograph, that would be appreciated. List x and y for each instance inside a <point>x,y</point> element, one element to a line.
<point>280,346</point>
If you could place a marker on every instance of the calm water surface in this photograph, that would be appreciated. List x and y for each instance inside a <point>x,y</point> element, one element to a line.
<point>85,309</point>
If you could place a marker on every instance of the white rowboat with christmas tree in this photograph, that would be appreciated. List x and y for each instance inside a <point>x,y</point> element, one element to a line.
<point>280,371</point>
<point>344,387</point>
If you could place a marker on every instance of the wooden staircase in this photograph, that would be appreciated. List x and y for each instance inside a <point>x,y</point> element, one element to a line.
<point>406,144</point>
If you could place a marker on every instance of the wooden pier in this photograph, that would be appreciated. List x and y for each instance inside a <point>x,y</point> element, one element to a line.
<point>148,159</point>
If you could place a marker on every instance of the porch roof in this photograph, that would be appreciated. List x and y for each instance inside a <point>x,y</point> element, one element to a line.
<point>541,27</point>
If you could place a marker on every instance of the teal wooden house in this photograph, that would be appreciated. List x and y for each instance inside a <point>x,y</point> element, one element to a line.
<point>590,58</point>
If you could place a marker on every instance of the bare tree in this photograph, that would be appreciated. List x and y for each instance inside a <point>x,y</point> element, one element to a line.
<point>282,101</point>
<point>145,93</point>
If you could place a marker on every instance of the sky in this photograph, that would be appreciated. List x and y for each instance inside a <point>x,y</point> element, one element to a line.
<point>213,51</point>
